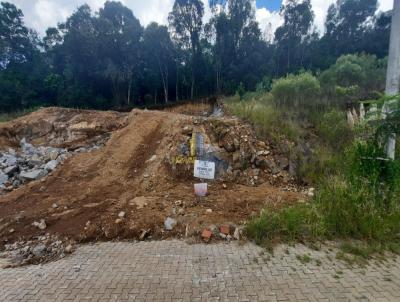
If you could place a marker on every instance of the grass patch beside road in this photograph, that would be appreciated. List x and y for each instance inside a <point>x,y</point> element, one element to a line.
<point>358,193</point>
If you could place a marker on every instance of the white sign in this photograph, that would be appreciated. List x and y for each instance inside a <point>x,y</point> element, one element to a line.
<point>204,169</point>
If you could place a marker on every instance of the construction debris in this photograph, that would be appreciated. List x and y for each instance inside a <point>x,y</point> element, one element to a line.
<point>142,163</point>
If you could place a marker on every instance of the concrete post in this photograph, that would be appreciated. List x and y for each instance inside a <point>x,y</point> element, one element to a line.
<point>393,71</point>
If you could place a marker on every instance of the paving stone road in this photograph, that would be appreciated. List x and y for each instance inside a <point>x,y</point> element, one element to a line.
<point>176,271</point>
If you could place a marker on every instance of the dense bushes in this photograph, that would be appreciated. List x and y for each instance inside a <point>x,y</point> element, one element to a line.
<point>360,202</point>
<point>333,129</point>
<point>360,198</point>
<point>296,90</point>
<point>268,120</point>
<point>351,78</point>
<point>354,77</point>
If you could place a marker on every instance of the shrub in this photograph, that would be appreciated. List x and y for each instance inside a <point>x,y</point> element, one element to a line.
<point>354,77</point>
<point>266,118</point>
<point>241,91</point>
<point>333,129</point>
<point>296,90</point>
<point>265,85</point>
<point>362,201</point>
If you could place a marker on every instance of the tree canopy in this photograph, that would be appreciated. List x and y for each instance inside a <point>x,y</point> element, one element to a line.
<point>107,59</point>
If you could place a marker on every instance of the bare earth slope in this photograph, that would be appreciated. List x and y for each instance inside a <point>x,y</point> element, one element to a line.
<point>60,127</point>
<point>129,174</point>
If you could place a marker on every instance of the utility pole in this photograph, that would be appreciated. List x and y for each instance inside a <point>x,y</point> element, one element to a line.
<point>393,71</point>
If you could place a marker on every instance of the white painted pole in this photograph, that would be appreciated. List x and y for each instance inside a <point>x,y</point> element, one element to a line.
<point>393,71</point>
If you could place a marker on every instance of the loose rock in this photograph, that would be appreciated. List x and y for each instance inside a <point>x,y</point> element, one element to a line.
<point>33,175</point>
<point>236,234</point>
<point>51,165</point>
<point>170,223</point>
<point>40,225</point>
<point>69,249</point>
<point>39,250</point>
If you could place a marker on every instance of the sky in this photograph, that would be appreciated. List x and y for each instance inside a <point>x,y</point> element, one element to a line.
<point>41,14</point>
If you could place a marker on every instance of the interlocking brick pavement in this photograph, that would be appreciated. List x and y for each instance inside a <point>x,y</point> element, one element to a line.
<point>176,271</point>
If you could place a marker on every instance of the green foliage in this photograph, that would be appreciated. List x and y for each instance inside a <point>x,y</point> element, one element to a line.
<point>354,77</point>
<point>333,129</point>
<point>265,85</point>
<point>266,118</point>
<point>362,202</point>
<point>241,91</point>
<point>295,36</point>
<point>6,117</point>
<point>296,91</point>
<point>289,224</point>
<point>106,59</point>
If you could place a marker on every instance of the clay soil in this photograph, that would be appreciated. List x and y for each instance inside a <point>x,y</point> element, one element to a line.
<point>128,174</point>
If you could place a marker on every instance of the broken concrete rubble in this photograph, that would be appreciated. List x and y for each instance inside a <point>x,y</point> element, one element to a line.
<point>32,175</point>
<point>170,223</point>
<point>30,164</point>
<point>51,165</point>
<point>98,186</point>
<point>40,225</point>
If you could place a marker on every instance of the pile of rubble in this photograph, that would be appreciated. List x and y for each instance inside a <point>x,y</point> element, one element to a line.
<point>32,163</point>
<point>40,249</point>
<point>226,232</point>
<point>234,148</point>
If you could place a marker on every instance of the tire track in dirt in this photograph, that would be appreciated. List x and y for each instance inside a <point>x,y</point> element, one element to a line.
<point>97,179</point>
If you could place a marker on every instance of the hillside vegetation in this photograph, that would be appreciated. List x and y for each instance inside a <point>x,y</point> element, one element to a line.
<point>106,59</point>
<point>357,189</point>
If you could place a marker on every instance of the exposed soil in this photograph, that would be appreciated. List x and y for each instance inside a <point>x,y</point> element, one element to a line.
<point>132,173</point>
<point>61,128</point>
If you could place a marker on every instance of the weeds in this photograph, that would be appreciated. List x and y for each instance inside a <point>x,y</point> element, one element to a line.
<point>266,118</point>
<point>358,194</point>
<point>304,259</point>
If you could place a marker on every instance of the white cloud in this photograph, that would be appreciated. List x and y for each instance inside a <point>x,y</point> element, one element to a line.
<point>269,22</point>
<point>41,14</point>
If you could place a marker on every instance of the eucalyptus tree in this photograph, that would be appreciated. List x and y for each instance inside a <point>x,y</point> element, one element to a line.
<point>294,36</point>
<point>186,22</point>
<point>158,50</point>
<point>119,37</point>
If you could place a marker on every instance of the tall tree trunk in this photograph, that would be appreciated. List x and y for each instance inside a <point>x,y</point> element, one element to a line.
<point>129,91</point>
<point>164,78</point>
<point>166,86</point>
<point>177,84</point>
<point>192,89</point>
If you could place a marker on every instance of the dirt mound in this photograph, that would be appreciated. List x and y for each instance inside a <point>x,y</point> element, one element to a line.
<point>127,189</point>
<point>59,127</point>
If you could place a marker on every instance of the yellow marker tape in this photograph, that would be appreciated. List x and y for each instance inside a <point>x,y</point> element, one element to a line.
<point>183,160</point>
<point>193,145</point>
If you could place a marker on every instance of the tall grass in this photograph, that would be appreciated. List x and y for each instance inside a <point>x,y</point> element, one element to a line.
<point>358,195</point>
<point>362,201</point>
<point>259,109</point>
